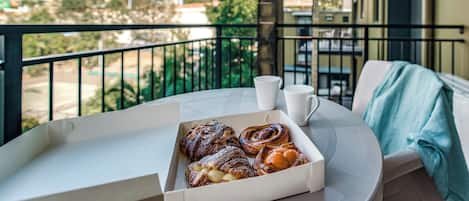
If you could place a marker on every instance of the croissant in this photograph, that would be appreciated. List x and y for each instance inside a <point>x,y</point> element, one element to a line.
<point>272,159</point>
<point>226,165</point>
<point>253,138</point>
<point>207,139</point>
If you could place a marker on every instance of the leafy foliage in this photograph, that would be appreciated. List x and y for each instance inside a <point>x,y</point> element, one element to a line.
<point>238,57</point>
<point>234,12</point>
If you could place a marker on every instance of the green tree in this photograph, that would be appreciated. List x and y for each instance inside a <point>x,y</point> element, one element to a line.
<point>234,12</point>
<point>238,55</point>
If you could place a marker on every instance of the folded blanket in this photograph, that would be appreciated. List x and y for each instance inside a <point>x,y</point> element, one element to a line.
<point>412,108</point>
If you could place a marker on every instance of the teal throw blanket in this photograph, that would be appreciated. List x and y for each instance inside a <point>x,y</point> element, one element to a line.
<point>412,108</point>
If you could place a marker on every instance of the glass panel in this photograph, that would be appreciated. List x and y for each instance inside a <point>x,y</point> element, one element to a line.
<point>130,77</point>
<point>91,85</point>
<point>112,85</point>
<point>145,75</point>
<point>65,89</point>
<point>35,93</point>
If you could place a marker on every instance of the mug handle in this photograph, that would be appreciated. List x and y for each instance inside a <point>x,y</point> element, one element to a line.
<point>316,105</point>
<point>280,83</point>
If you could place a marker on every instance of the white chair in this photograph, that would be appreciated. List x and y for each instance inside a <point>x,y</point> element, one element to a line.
<point>403,176</point>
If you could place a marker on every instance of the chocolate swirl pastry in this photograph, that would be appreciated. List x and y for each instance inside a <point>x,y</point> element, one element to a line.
<point>226,165</point>
<point>207,139</point>
<point>272,159</point>
<point>253,138</point>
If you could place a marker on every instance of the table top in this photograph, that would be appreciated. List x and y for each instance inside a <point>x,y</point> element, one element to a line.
<point>352,154</point>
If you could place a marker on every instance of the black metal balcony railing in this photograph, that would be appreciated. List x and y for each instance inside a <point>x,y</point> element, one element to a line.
<point>222,61</point>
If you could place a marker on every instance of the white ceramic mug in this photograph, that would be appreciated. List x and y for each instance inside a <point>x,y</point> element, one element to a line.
<point>301,103</point>
<point>267,88</point>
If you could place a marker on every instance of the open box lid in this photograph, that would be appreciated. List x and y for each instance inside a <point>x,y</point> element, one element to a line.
<point>123,155</point>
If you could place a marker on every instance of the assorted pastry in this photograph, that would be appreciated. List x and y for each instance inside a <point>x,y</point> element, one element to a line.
<point>253,138</point>
<point>275,158</point>
<point>217,155</point>
<point>228,164</point>
<point>207,139</point>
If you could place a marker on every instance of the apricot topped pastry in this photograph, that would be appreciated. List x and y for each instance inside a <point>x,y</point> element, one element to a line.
<point>274,158</point>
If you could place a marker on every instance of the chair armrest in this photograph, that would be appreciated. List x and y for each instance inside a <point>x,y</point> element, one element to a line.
<point>400,164</point>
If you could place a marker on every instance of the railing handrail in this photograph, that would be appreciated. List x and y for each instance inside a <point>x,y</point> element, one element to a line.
<point>61,28</point>
<point>392,26</point>
<point>67,56</point>
<point>460,40</point>
<point>64,28</point>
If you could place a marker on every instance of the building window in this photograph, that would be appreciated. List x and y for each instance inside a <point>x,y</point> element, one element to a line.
<point>376,11</point>
<point>304,31</point>
<point>329,18</point>
<point>345,19</point>
<point>303,45</point>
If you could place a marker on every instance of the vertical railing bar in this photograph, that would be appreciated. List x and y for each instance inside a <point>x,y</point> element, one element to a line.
<point>200,67</point>
<point>206,64</point>
<point>122,82</point>
<point>174,70</point>
<point>439,57</point>
<point>366,47</point>
<point>317,66</point>
<point>152,74</point>
<point>379,49</point>
<point>283,63</point>
<point>452,59</point>
<point>229,63</point>
<point>138,77</point>
<point>164,71</point>
<point>383,42</point>
<point>295,54</point>
<point>306,63</point>
<point>192,66</point>
<point>103,74</point>
<point>329,80</point>
<point>354,68</point>
<point>212,57</point>
<point>184,66</point>
<point>251,59</point>
<point>341,71</point>
<point>79,85</point>
<point>51,91</point>
<point>240,63</point>
<point>219,57</point>
<point>214,64</point>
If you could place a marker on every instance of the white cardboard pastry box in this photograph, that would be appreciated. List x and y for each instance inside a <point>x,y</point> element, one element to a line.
<point>119,156</point>
<point>134,155</point>
<point>308,177</point>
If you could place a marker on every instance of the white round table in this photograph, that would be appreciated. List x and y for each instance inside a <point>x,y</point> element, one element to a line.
<point>352,154</point>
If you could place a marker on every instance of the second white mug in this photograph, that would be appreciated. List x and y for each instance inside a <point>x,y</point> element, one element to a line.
<point>267,88</point>
<point>301,103</point>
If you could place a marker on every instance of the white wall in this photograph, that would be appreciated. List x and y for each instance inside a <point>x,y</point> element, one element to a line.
<point>194,14</point>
